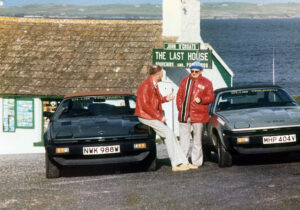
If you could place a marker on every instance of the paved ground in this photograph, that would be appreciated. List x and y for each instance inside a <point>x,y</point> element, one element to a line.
<point>267,182</point>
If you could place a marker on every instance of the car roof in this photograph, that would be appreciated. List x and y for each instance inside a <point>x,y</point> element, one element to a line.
<point>98,93</point>
<point>246,87</point>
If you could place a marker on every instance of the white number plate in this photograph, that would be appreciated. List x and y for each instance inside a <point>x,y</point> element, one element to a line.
<point>101,150</point>
<point>279,139</point>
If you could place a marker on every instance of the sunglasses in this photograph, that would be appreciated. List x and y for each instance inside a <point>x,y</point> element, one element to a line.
<point>196,72</point>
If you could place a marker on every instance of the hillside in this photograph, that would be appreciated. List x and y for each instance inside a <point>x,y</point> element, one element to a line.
<point>151,11</point>
<point>250,10</point>
<point>113,11</point>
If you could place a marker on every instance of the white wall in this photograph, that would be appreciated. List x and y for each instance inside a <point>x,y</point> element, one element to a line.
<point>21,141</point>
<point>190,21</point>
<point>166,87</point>
<point>171,19</point>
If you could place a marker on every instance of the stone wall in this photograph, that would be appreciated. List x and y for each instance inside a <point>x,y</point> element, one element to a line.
<point>54,57</point>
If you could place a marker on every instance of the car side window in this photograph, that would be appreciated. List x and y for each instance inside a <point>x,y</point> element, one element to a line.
<point>132,103</point>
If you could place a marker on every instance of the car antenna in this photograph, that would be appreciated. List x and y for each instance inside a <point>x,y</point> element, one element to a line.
<point>273,65</point>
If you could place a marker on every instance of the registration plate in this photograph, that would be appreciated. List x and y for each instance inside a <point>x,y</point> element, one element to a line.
<point>279,139</point>
<point>101,150</point>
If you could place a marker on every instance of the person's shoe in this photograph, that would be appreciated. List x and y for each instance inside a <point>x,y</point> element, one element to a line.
<point>181,168</point>
<point>191,166</point>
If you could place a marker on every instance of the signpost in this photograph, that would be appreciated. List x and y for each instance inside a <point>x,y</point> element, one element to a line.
<point>181,55</point>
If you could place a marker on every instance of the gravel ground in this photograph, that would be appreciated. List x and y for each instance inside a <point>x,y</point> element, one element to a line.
<point>265,182</point>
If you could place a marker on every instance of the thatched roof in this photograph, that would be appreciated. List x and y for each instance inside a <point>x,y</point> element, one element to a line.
<point>51,57</point>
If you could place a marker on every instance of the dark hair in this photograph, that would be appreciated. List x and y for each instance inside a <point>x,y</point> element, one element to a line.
<point>154,69</point>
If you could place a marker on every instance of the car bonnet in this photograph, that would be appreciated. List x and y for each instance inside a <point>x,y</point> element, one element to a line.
<point>262,117</point>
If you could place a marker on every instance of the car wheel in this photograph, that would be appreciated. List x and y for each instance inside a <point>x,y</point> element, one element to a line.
<point>52,171</point>
<point>206,152</point>
<point>224,157</point>
<point>152,165</point>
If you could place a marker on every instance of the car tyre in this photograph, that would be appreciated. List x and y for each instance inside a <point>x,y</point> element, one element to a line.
<point>52,171</point>
<point>224,157</point>
<point>152,165</point>
<point>206,152</point>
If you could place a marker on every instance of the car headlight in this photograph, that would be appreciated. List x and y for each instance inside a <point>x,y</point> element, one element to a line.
<point>140,146</point>
<point>242,140</point>
<point>222,122</point>
<point>62,150</point>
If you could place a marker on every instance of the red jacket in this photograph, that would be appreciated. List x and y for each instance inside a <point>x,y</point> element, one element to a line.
<point>200,87</point>
<point>149,100</point>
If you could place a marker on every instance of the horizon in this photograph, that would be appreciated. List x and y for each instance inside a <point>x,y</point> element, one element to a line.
<point>8,3</point>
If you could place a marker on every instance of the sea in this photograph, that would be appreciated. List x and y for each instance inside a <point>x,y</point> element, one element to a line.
<point>249,46</point>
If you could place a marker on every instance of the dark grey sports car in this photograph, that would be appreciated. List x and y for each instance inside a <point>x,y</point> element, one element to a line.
<point>97,129</point>
<point>252,120</point>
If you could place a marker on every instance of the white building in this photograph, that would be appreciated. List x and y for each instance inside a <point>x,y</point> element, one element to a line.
<point>48,58</point>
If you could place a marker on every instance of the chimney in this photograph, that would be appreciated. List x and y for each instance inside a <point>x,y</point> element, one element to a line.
<point>181,19</point>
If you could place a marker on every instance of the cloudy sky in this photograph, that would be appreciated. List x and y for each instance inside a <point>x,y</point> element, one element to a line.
<point>26,2</point>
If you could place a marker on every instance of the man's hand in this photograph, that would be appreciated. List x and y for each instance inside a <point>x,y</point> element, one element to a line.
<point>197,100</point>
<point>163,119</point>
<point>170,97</point>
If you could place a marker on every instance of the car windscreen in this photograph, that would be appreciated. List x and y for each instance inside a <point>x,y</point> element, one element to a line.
<point>96,106</point>
<point>252,98</point>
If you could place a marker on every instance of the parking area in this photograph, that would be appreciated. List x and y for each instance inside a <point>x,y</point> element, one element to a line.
<point>264,182</point>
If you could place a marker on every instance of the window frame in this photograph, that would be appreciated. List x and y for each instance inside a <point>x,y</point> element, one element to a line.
<point>15,112</point>
<point>16,115</point>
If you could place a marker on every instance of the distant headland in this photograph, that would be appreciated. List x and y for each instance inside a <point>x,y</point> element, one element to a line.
<point>228,10</point>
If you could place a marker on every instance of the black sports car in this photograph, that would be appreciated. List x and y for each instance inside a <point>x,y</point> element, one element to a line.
<point>97,128</point>
<point>252,120</point>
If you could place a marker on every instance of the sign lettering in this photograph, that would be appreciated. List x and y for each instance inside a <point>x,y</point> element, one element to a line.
<point>182,46</point>
<point>181,58</point>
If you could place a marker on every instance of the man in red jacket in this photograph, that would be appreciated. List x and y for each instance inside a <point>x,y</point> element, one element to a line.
<point>149,112</point>
<point>193,97</point>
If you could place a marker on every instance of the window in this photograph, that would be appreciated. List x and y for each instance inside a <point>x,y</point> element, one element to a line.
<point>17,113</point>
<point>25,115</point>
<point>244,99</point>
<point>92,106</point>
<point>8,115</point>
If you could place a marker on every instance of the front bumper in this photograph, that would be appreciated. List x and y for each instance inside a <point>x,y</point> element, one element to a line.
<point>128,154</point>
<point>255,144</point>
<point>102,161</point>
<point>257,150</point>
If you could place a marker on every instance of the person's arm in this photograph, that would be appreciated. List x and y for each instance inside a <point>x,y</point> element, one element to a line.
<point>180,96</point>
<point>209,95</point>
<point>146,105</point>
<point>164,99</point>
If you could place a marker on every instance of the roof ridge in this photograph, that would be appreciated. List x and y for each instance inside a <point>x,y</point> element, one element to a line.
<point>79,21</point>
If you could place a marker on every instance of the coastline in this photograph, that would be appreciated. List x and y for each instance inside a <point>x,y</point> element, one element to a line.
<point>225,10</point>
<point>252,18</point>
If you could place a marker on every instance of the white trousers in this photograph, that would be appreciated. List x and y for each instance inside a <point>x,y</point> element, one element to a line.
<point>185,134</point>
<point>174,150</point>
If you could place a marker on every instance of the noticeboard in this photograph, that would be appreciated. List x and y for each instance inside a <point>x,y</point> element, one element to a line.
<point>181,55</point>
<point>25,115</point>
<point>8,115</point>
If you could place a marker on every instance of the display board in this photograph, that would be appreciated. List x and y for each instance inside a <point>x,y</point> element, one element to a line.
<point>25,115</point>
<point>8,115</point>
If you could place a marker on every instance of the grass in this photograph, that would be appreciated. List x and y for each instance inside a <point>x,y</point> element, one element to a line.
<point>152,11</point>
<point>122,11</point>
